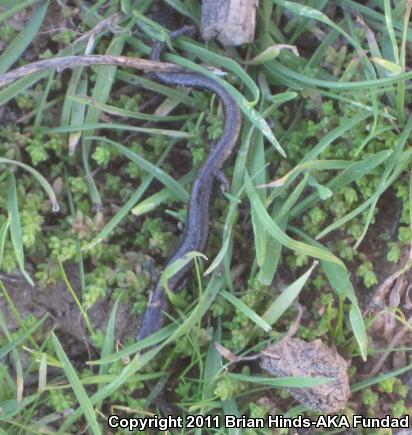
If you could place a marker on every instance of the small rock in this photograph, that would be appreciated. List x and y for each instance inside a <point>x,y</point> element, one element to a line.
<point>295,357</point>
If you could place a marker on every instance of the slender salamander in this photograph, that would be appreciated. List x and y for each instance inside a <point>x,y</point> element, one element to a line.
<point>197,224</point>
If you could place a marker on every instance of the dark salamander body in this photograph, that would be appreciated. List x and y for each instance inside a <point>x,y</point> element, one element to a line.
<point>197,225</point>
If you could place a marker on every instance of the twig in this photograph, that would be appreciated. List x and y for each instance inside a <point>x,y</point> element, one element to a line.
<point>296,324</point>
<point>380,293</point>
<point>393,343</point>
<point>110,23</point>
<point>61,63</point>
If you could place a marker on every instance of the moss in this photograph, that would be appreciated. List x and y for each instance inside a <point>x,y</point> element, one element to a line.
<point>369,397</point>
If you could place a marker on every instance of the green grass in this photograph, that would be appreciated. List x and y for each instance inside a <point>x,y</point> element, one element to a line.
<point>325,143</point>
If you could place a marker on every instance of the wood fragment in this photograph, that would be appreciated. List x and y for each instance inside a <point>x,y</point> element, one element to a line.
<point>232,22</point>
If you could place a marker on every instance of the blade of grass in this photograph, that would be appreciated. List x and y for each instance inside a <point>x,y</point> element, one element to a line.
<point>108,344</point>
<point>288,382</point>
<point>256,163</point>
<point>111,126</point>
<point>85,405</point>
<point>77,116</point>
<point>179,6</point>
<point>75,298</point>
<point>43,182</point>
<point>19,374</point>
<point>156,172</point>
<point>15,226</point>
<point>42,374</point>
<point>390,30</point>
<point>105,379</point>
<point>275,232</point>
<point>79,254</point>
<point>213,365</point>
<point>286,74</point>
<point>359,330</point>
<point>273,249</point>
<point>16,48</point>
<point>315,165</point>
<point>113,110</point>
<point>43,102</point>
<point>400,98</point>
<point>243,308</point>
<point>376,380</point>
<point>278,307</point>
<point>148,342</point>
<point>72,88</point>
<point>153,201</point>
<point>230,408</point>
<point>3,234</point>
